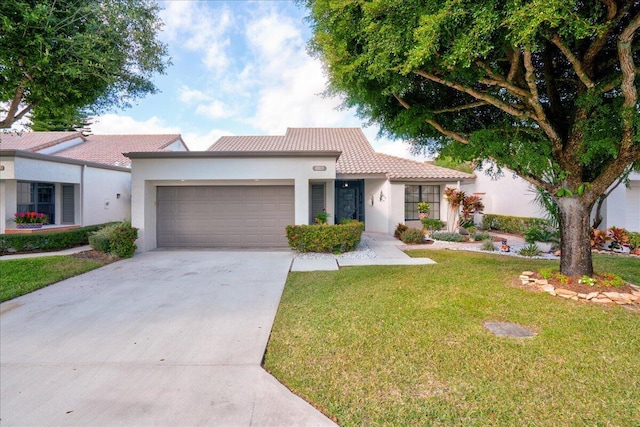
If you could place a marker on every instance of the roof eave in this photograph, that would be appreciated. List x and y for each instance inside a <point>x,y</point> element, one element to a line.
<point>227,154</point>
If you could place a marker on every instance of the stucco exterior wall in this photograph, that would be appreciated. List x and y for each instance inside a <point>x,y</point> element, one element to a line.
<point>376,205</point>
<point>507,195</point>
<point>100,202</point>
<point>148,174</point>
<point>622,208</point>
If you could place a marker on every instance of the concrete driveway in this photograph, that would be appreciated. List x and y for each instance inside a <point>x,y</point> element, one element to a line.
<point>170,338</point>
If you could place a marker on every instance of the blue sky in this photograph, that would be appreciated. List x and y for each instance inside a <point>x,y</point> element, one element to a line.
<point>239,68</point>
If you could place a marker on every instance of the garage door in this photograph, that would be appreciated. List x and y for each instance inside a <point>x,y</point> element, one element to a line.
<point>238,216</point>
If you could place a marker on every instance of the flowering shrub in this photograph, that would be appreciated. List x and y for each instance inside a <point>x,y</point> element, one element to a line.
<point>30,218</point>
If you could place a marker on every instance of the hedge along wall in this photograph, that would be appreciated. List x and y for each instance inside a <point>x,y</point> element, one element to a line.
<point>325,238</point>
<point>52,241</point>
<point>511,224</point>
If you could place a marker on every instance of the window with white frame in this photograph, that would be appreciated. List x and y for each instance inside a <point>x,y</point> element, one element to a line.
<point>414,194</point>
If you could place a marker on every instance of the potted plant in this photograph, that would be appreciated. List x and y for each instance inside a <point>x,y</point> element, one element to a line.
<point>543,238</point>
<point>30,219</point>
<point>321,217</point>
<point>423,210</point>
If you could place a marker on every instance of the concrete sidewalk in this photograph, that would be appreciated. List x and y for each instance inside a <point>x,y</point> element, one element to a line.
<point>70,251</point>
<point>386,249</point>
<point>166,338</point>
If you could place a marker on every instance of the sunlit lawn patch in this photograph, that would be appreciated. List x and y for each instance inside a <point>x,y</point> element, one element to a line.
<point>405,345</point>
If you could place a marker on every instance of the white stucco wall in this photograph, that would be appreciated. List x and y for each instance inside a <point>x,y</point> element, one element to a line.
<point>100,202</point>
<point>148,174</point>
<point>93,185</point>
<point>377,204</point>
<point>507,195</point>
<point>622,208</point>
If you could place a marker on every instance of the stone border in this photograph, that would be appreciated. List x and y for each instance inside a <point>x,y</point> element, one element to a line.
<point>596,297</point>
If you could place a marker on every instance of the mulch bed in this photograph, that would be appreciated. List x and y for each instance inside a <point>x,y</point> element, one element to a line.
<point>582,288</point>
<point>96,255</point>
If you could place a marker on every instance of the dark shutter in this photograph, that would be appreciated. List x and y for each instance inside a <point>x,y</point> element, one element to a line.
<point>68,205</point>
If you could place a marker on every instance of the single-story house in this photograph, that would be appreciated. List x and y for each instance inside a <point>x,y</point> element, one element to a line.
<point>511,195</point>
<point>244,190</point>
<point>74,179</point>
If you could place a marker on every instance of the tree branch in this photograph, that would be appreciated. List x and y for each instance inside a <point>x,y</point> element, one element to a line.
<point>498,80</point>
<point>451,134</point>
<point>601,40</point>
<point>509,109</point>
<point>628,86</point>
<point>10,118</point>
<point>461,107</point>
<point>575,62</point>
<point>534,101</point>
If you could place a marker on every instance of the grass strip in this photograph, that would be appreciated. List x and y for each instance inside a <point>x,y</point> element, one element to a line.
<point>21,276</point>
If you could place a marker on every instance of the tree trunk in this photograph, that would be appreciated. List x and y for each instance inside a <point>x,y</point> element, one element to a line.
<point>575,246</point>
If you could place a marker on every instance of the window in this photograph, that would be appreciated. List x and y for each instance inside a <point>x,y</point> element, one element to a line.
<point>37,197</point>
<point>413,194</point>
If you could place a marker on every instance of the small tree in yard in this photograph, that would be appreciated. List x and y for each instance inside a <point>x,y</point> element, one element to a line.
<point>546,88</point>
<point>64,59</point>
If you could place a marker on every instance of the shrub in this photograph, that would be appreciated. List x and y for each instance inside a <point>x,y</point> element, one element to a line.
<point>400,228</point>
<point>325,238</point>
<point>47,241</point>
<point>449,237</point>
<point>530,250</point>
<point>123,239</point>
<point>412,235</point>
<point>540,234</point>
<point>432,224</point>
<point>321,217</point>
<point>481,236</point>
<point>487,245</point>
<point>100,240</point>
<point>511,224</point>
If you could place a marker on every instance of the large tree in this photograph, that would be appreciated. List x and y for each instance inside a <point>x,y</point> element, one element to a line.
<point>58,57</point>
<point>547,88</point>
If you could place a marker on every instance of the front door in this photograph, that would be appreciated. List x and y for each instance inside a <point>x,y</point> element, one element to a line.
<point>349,200</point>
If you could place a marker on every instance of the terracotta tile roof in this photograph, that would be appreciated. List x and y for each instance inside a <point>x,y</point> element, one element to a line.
<point>35,141</point>
<point>358,157</point>
<point>108,149</point>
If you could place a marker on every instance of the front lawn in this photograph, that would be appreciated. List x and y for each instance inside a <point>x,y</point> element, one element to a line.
<point>21,276</point>
<point>405,345</point>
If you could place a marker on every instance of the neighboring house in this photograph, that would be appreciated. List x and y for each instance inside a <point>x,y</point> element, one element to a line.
<point>244,190</point>
<point>74,179</point>
<point>511,195</point>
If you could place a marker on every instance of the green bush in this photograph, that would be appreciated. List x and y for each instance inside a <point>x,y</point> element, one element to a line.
<point>511,224</point>
<point>412,235</point>
<point>118,239</point>
<point>47,241</point>
<point>487,245</point>
<point>448,237</point>
<point>530,250</point>
<point>100,240</point>
<point>123,240</point>
<point>400,228</point>
<point>432,224</point>
<point>481,235</point>
<point>325,238</point>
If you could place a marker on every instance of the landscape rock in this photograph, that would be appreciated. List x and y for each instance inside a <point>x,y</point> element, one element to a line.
<point>592,295</point>
<point>566,293</point>
<point>527,273</point>
<point>548,288</point>
<point>602,300</point>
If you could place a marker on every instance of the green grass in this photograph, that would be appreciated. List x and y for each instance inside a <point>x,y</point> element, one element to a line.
<point>405,345</point>
<point>21,276</point>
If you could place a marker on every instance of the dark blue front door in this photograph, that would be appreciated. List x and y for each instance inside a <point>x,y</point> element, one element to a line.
<point>349,200</point>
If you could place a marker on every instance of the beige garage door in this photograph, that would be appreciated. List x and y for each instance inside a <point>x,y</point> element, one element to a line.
<point>251,216</point>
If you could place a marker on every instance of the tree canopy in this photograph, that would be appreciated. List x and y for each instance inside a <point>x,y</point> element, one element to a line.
<point>546,88</point>
<point>58,57</point>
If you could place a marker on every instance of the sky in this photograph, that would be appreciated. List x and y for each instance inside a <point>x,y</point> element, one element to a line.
<point>239,68</point>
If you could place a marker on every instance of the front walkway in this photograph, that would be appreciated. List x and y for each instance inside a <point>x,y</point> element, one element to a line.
<point>381,249</point>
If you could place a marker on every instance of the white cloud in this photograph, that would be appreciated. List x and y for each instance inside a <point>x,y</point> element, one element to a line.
<point>116,124</point>
<point>187,95</point>
<point>200,29</point>
<point>214,110</point>
<point>199,142</point>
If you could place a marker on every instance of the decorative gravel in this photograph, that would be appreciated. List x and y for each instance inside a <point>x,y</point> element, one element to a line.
<point>362,252</point>
<point>514,249</point>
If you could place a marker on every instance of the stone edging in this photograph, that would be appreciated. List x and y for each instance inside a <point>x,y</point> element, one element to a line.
<point>597,297</point>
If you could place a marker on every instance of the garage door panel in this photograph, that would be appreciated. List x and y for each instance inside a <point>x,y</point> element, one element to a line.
<point>224,215</point>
